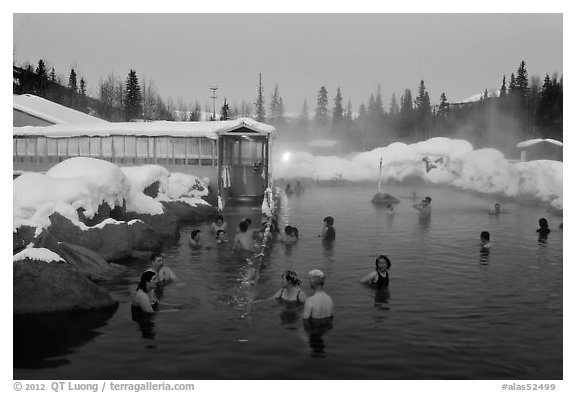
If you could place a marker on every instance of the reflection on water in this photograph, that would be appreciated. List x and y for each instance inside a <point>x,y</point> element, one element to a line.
<point>145,324</point>
<point>316,329</point>
<point>484,256</point>
<point>44,340</point>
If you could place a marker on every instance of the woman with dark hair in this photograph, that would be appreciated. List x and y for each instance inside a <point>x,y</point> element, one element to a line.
<point>143,300</point>
<point>290,291</point>
<point>379,278</point>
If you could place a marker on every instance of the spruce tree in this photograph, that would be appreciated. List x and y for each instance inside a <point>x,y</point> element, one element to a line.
<point>443,107</point>
<point>225,112</point>
<point>423,111</point>
<point>260,110</point>
<point>73,86</point>
<point>321,115</point>
<point>338,113</point>
<point>394,108</point>
<point>133,102</point>
<point>72,82</point>
<point>522,81</point>
<point>53,77</point>
<point>503,88</point>
<point>277,108</point>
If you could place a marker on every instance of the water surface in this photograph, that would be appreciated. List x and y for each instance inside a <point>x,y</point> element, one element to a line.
<point>450,312</point>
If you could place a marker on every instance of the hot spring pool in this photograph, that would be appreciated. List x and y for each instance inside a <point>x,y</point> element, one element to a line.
<point>448,314</point>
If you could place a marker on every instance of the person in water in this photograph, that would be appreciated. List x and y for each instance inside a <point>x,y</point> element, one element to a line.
<point>485,240</point>
<point>543,231</point>
<point>288,190</point>
<point>243,243</point>
<point>219,224</point>
<point>319,306</point>
<point>328,231</point>
<point>221,237</point>
<point>495,210</point>
<point>423,207</point>
<point>164,273</point>
<point>291,291</point>
<point>380,277</point>
<point>144,300</point>
<point>195,238</point>
<point>299,189</point>
<point>290,236</point>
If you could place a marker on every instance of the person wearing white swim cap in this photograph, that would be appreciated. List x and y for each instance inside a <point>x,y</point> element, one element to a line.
<point>319,306</point>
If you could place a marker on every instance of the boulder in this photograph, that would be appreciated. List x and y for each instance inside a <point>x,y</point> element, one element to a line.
<point>89,263</point>
<point>116,243</point>
<point>382,198</point>
<point>165,224</point>
<point>187,213</point>
<point>143,237</point>
<point>65,231</point>
<point>41,287</point>
<point>25,235</point>
<point>152,190</point>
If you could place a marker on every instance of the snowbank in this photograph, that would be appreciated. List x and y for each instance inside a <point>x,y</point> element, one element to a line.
<point>38,254</point>
<point>451,162</point>
<point>86,183</point>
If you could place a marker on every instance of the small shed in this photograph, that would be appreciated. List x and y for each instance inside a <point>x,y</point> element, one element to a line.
<point>541,149</point>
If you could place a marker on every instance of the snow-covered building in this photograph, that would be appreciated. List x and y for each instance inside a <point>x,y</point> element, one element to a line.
<point>31,110</point>
<point>541,149</point>
<point>234,154</point>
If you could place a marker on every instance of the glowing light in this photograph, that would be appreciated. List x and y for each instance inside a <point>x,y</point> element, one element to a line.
<point>286,156</point>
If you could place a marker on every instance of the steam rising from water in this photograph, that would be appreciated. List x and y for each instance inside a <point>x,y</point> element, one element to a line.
<point>451,162</point>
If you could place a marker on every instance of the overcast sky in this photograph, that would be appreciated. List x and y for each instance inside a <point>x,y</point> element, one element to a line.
<point>185,54</point>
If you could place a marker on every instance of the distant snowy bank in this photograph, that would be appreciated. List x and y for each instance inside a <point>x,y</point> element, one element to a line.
<point>439,161</point>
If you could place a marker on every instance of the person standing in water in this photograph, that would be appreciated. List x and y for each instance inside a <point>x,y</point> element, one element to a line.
<point>495,210</point>
<point>380,277</point>
<point>243,243</point>
<point>219,224</point>
<point>318,307</point>
<point>328,231</point>
<point>543,231</point>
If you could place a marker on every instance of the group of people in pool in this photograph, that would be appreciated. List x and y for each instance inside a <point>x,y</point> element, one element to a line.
<point>318,306</point>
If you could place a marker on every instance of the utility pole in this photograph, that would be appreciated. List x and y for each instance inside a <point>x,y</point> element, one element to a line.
<point>213,88</point>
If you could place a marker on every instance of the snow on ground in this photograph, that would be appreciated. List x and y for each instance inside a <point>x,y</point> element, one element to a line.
<point>86,183</point>
<point>38,254</point>
<point>453,162</point>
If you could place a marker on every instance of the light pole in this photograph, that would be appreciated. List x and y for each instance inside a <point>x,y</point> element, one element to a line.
<point>213,88</point>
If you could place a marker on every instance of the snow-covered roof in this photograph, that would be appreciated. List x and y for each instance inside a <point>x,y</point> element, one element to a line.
<point>531,142</point>
<point>209,129</point>
<point>50,111</point>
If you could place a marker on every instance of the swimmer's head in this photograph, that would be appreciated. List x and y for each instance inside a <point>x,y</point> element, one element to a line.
<point>288,230</point>
<point>147,281</point>
<point>317,278</point>
<point>329,220</point>
<point>243,226</point>
<point>485,236</point>
<point>428,199</point>
<point>291,277</point>
<point>382,258</point>
<point>543,223</point>
<point>220,234</point>
<point>219,219</point>
<point>157,259</point>
<point>195,234</point>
